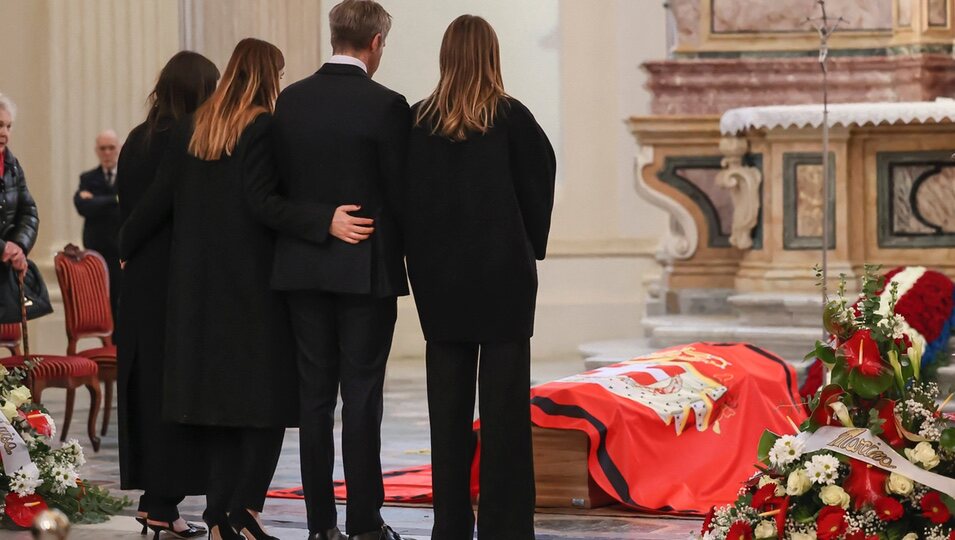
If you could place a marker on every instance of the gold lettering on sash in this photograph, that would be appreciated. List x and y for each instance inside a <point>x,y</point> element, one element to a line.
<point>7,440</point>
<point>851,442</point>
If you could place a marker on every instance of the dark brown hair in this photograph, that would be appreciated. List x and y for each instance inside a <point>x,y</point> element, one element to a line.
<point>187,80</point>
<point>354,23</point>
<point>249,87</point>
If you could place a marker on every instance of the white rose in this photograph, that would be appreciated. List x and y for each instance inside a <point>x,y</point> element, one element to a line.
<point>20,395</point>
<point>899,485</point>
<point>779,492</point>
<point>911,536</point>
<point>803,536</point>
<point>765,529</point>
<point>3,372</point>
<point>923,453</point>
<point>9,409</point>
<point>834,496</point>
<point>798,482</point>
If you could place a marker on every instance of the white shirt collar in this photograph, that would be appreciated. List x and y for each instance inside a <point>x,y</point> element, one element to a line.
<point>350,60</point>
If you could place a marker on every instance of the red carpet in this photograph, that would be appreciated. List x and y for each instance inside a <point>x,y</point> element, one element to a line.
<point>409,485</point>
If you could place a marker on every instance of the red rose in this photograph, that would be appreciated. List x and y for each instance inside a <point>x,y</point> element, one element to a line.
<point>762,495</point>
<point>888,509</point>
<point>934,509</point>
<point>23,510</point>
<point>831,523</point>
<point>862,353</point>
<point>740,531</point>
<point>865,483</point>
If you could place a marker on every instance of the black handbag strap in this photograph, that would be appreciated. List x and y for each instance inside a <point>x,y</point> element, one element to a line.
<point>23,316</point>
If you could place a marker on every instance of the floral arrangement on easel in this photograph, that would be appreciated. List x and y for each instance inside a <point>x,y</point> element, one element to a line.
<point>875,460</point>
<point>38,474</point>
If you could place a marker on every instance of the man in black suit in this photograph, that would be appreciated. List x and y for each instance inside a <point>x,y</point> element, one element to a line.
<point>340,142</point>
<point>97,202</point>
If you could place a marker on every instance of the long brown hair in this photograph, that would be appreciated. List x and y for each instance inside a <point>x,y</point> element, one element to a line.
<point>471,86</point>
<point>249,87</point>
<point>184,83</point>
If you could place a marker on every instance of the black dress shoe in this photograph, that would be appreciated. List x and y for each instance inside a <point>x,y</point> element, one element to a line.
<point>386,533</point>
<point>330,534</point>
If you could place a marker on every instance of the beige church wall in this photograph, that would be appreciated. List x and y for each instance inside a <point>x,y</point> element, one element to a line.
<point>74,68</point>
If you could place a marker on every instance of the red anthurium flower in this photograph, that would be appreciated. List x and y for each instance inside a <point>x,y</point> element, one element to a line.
<point>763,495</point>
<point>822,415</point>
<point>865,483</point>
<point>781,504</point>
<point>934,509</point>
<point>831,523</point>
<point>951,535</point>
<point>23,510</point>
<point>708,520</point>
<point>38,421</point>
<point>890,428</point>
<point>888,509</point>
<point>740,531</point>
<point>862,353</point>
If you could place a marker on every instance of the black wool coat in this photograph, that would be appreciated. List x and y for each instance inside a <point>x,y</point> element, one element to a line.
<point>148,448</point>
<point>477,217</point>
<point>340,138</point>
<point>230,354</point>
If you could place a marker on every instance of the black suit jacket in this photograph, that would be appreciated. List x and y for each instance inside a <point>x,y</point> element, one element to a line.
<point>340,138</point>
<point>101,228</point>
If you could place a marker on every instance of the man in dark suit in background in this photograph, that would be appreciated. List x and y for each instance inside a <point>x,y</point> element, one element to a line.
<point>340,141</point>
<point>97,202</point>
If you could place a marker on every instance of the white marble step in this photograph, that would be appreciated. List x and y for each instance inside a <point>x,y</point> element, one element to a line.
<point>778,309</point>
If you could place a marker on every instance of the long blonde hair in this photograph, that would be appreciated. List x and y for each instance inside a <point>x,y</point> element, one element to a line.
<point>248,88</point>
<point>471,86</point>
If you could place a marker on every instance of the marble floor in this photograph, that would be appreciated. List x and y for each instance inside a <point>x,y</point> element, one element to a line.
<point>405,443</point>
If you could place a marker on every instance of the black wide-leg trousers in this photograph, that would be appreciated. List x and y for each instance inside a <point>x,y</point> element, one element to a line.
<point>241,466</point>
<point>506,507</point>
<point>343,341</point>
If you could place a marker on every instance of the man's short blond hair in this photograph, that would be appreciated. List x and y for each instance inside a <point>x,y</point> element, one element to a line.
<point>354,23</point>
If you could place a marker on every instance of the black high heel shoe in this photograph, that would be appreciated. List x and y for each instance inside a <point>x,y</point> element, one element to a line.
<point>142,521</point>
<point>226,532</point>
<point>191,531</point>
<point>247,525</point>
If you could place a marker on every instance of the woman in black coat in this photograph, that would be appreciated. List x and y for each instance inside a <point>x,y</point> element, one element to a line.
<point>156,456</point>
<point>479,198</point>
<point>230,351</point>
<point>19,220</point>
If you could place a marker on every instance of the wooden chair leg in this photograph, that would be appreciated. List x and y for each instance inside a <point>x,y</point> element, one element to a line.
<point>107,405</point>
<point>93,387</point>
<point>70,399</point>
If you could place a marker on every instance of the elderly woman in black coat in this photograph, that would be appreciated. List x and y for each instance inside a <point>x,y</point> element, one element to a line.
<point>159,457</point>
<point>19,220</point>
<point>480,193</point>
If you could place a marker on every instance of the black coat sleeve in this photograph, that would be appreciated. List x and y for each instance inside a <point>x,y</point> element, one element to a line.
<point>534,169</point>
<point>393,151</point>
<point>99,204</point>
<point>308,221</point>
<point>27,218</point>
<point>153,211</point>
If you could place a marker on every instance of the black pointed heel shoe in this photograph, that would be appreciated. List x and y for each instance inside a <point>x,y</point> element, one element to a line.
<point>142,521</point>
<point>191,531</point>
<point>221,523</point>
<point>247,525</point>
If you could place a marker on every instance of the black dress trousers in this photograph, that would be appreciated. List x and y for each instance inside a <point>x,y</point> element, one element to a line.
<point>506,507</point>
<point>343,340</point>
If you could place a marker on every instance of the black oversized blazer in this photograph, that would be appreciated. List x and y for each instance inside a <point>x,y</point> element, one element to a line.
<point>101,213</point>
<point>230,354</point>
<point>477,217</point>
<point>340,138</point>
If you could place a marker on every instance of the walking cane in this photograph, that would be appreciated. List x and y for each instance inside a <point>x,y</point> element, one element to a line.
<point>23,317</point>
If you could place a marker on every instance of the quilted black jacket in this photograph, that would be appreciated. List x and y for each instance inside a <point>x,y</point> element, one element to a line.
<point>19,220</point>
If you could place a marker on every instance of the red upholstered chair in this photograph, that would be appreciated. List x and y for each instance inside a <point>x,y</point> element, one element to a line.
<point>10,338</point>
<point>84,284</point>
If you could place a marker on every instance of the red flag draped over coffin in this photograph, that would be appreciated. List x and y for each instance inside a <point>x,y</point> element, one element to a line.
<point>677,430</point>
